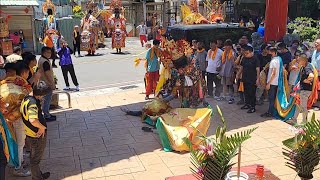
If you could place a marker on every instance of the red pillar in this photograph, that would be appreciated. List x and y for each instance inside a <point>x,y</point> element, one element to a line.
<point>276,19</point>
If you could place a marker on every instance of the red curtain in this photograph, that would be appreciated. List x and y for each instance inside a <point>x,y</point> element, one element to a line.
<point>276,19</point>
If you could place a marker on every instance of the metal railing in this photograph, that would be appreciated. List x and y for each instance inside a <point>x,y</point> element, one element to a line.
<point>64,92</point>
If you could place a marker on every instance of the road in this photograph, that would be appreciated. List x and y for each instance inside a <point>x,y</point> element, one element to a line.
<point>108,69</point>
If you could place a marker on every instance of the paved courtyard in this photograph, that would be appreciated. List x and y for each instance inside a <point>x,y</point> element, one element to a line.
<point>95,140</point>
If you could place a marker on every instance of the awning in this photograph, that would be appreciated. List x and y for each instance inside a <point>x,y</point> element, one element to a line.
<point>19,3</point>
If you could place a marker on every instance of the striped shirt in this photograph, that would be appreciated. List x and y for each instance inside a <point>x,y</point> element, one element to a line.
<point>31,109</point>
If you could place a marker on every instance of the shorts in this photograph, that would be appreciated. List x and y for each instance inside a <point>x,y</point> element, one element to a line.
<point>227,80</point>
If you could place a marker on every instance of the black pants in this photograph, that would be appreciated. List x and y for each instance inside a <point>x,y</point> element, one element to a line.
<point>53,56</point>
<point>37,149</point>
<point>69,68</point>
<point>3,162</point>
<point>76,47</point>
<point>250,94</point>
<point>213,77</point>
<point>272,94</point>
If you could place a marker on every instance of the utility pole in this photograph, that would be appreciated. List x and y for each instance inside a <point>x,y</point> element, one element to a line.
<point>144,4</point>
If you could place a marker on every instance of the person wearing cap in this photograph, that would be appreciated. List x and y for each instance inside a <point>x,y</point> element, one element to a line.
<point>35,126</point>
<point>76,40</point>
<point>227,71</point>
<point>16,56</point>
<point>250,68</point>
<point>67,66</point>
<point>306,49</point>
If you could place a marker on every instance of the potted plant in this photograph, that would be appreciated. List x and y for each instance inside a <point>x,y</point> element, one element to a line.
<point>302,152</point>
<point>212,159</point>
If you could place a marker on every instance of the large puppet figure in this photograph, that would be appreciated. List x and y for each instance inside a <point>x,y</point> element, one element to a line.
<point>118,24</point>
<point>89,31</point>
<point>217,12</point>
<point>191,15</point>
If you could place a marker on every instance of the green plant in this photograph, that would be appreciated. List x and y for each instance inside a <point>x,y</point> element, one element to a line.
<point>212,159</point>
<point>302,152</point>
<point>307,28</point>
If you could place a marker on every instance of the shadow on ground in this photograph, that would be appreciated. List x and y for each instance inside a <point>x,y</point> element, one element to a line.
<point>100,141</point>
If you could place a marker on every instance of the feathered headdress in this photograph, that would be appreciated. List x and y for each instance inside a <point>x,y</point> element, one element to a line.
<point>48,5</point>
<point>115,4</point>
<point>174,50</point>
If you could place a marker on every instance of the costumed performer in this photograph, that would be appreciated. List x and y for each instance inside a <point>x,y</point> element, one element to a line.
<point>118,22</point>
<point>89,34</point>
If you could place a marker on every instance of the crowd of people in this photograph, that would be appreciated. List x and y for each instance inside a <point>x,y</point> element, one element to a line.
<point>257,77</point>
<point>30,130</point>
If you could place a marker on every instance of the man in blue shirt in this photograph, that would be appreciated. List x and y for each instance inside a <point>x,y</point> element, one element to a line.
<point>261,30</point>
<point>153,66</point>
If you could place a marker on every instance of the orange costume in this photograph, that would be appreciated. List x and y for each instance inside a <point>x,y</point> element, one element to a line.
<point>118,24</point>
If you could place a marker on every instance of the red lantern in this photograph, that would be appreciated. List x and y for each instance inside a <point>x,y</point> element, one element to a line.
<point>26,10</point>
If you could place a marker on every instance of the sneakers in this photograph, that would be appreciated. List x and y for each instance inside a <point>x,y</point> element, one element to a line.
<point>251,110</point>
<point>147,98</point>
<point>66,88</point>
<point>46,175</point>
<point>216,97</point>
<point>245,107</point>
<point>231,101</point>
<point>21,172</point>
<point>54,66</point>
<point>77,88</point>
<point>222,99</point>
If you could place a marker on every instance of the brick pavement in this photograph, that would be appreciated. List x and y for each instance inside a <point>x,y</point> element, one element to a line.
<point>95,140</point>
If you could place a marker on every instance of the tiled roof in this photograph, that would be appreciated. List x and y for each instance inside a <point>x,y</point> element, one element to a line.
<point>19,3</point>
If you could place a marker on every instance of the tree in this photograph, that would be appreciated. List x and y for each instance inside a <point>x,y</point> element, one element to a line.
<point>309,8</point>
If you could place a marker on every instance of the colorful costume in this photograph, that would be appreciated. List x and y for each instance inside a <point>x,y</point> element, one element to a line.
<point>50,22</point>
<point>286,103</point>
<point>12,91</point>
<point>90,30</point>
<point>118,24</point>
<point>179,78</point>
<point>217,13</point>
<point>191,15</point>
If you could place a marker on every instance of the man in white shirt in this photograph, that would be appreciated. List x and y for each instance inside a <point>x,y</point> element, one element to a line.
<point>16,56</point>
<point>272,80</point>
<point>142,33</point>
<point>213,60</point>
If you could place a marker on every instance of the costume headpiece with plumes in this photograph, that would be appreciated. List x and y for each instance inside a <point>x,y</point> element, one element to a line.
<point>174,50</point>
<point>48,5</point>
<point>115,4</point>
<point>194,5</point>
